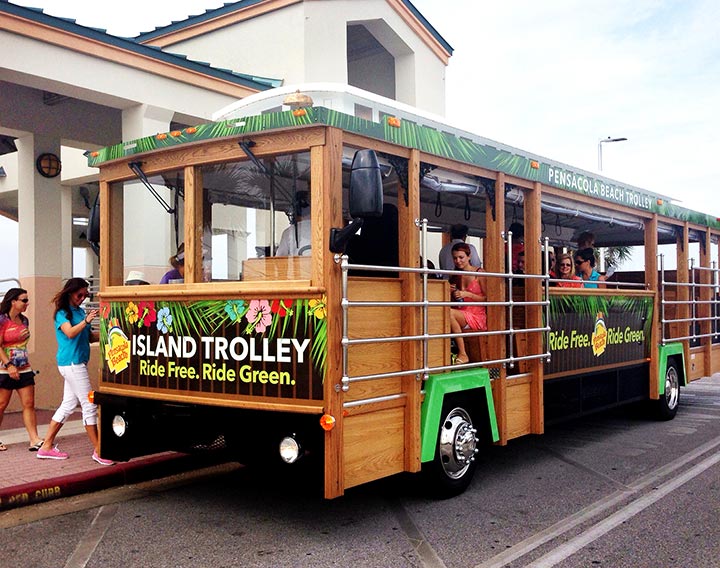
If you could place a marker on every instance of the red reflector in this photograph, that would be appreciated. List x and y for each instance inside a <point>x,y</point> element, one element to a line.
<point>327,422</point>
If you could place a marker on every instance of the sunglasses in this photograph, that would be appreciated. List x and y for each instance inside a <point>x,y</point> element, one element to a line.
<point>565,265</point>
<point>578,261</point>
<point>24,300</point>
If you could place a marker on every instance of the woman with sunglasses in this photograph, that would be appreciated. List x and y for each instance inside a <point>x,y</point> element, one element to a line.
<point>16,374</point>
<point>565,273</point>
<point>585,268</point>
<point>72,331</point>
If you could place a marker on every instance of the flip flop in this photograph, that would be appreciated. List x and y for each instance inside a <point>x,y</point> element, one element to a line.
<point>35,447</point>
<point>3,447</point>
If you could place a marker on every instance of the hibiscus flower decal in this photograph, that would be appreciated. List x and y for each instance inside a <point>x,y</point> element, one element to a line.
<point>235,309</point>
<point>147,314</point>
<point>258,316</point>
<point>318,307</point>
<point>282,307</point>
<point>164,319</point>
<point>104,310</point>
<point>132,313</point>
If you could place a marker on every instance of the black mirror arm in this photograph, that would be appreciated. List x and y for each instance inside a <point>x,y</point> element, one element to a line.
<point>136,167</point>
<point>339,238</point>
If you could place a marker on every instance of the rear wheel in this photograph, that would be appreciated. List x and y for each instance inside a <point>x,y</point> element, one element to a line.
<point>667,406</point>
<point>454,464</point>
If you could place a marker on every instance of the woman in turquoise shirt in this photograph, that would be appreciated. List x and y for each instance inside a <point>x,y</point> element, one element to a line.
<point>72,330</point>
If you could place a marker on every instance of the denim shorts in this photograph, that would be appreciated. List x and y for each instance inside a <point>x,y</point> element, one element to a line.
<point>27,379</point>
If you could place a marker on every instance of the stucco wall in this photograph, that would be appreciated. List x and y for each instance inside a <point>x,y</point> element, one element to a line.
<point>270,45</point>
<point>307,42</point>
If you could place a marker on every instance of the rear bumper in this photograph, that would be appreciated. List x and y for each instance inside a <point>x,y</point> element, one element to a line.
<point>158,426</point>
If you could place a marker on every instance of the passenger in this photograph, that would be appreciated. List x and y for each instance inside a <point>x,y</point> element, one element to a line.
<point>16,374</point>
<point>585,267</point>
<point>586,240</point>
<point>177,261</point>
<point>518,246</point>
<point>565,269</point>
<point>551,260</point>
<point>136,278</point>
<point>296,239</point>
<point>73,334</point>
<point>470,288</point>
<point>520,263</point>
<point>458,234</point>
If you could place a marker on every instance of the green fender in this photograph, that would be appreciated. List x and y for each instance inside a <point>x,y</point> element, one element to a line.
<point>665,351</point>
<point>436,387</point>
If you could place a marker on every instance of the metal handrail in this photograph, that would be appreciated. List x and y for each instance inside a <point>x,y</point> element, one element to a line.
<point>694,302</point>
<point>424,305</point>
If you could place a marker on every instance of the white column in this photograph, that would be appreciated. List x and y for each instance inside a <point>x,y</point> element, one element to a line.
<point>44,256</point>
<point>149,229</point>
<point>43,234</point>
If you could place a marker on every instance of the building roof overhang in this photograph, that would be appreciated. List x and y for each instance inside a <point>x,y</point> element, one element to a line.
<point>33,23</point>
<point>242,10</point>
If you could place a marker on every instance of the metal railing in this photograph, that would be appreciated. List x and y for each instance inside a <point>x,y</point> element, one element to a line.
<point>694,290</point>
<point>424,304</point>
<point>16,284</point>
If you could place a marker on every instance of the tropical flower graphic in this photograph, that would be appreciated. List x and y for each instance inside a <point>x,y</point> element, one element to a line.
<point>147,314</point>
<point>258,316</point>
<point>318,307</point>
<point>164,319</point>
<point>282,307</point>
<point>131,311</point>
<point>104,310</point>
<point>235,309</point>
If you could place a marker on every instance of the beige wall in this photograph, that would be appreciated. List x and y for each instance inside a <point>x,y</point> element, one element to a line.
<point>271,45</point>
<point>309,44</point>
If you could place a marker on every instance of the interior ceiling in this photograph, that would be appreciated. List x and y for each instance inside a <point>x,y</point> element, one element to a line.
<point>361,43</point>
<point>562,229</point>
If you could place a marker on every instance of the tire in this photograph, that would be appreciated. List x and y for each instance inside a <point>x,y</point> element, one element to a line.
<point>454,464</point>
<point>667,406</point>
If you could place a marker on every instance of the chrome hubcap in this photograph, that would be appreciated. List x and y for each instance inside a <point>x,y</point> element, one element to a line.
<point>458,443</point>
<point>672,388</point>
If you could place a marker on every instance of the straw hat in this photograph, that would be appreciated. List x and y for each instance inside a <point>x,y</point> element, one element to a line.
<point>135,277</point>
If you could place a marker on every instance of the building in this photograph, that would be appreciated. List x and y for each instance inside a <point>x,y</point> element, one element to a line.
<point>66,88</point>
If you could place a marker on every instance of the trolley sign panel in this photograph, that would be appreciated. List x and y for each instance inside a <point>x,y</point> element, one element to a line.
<point>593,331</point>
<point>270,348</point>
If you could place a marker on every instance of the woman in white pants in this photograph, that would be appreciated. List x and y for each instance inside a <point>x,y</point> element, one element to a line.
<point>72,330</point>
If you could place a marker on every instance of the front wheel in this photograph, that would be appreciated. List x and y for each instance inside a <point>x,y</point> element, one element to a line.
<point>667,406</point>
<point>453,467</point>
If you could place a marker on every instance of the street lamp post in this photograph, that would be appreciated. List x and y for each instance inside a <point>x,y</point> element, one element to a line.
<point>600,143</point>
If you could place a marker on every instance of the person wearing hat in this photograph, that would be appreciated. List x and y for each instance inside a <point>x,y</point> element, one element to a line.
<point>177,261</point>
<point>135,278</point>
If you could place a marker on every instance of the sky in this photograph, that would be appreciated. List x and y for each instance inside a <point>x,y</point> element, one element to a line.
<point>553,78</point>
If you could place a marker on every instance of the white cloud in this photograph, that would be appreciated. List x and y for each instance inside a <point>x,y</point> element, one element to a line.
<point>554,77</point>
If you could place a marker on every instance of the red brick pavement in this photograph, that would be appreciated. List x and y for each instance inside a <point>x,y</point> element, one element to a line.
<point>25,480</point>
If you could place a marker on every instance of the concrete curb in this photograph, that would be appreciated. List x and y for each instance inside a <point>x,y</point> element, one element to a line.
<point>143,469</point>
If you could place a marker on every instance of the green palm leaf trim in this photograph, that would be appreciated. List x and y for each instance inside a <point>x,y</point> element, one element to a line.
<point>409,134</point>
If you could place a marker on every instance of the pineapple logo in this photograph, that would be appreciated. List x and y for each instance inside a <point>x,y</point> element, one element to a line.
<point>599,336</point>
<point>117,350</point>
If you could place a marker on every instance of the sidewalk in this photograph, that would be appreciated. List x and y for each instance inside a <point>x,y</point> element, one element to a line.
<point>25,480</point>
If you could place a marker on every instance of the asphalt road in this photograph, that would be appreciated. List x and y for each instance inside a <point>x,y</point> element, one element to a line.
<point>612,490</point>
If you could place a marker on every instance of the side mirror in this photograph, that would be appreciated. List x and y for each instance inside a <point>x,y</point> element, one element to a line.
<point>93,229</point>
<point>366,188</point>
<point>365,197</point>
